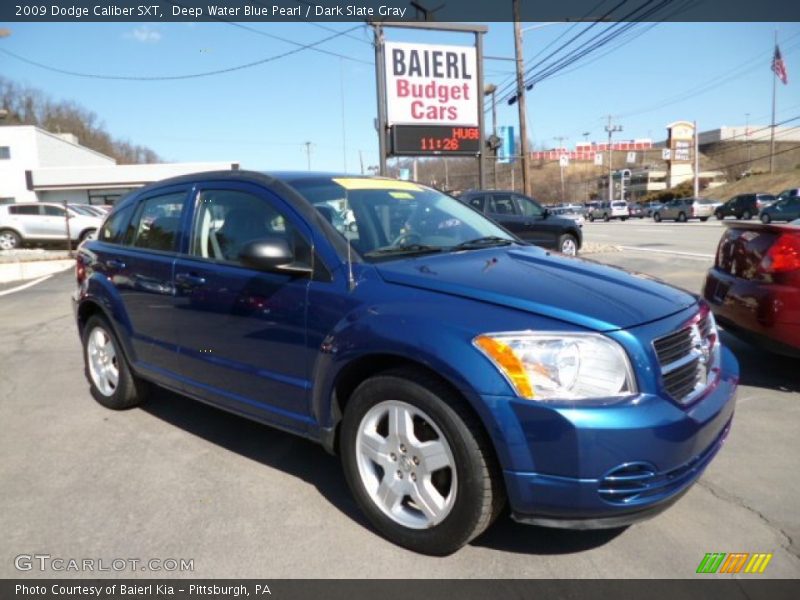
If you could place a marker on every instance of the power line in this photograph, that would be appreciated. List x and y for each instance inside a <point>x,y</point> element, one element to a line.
<point>177,77</point>
<point>594,43</point>
<point>288,41</point>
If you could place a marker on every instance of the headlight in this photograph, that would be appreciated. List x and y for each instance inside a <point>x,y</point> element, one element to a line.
<point>560,366</point>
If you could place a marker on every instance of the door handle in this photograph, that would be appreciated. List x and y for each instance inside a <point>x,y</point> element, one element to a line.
<point>115,264</point>
<point>190,279</point>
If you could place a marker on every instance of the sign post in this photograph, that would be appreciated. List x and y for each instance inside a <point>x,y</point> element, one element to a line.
<point>430,96</point>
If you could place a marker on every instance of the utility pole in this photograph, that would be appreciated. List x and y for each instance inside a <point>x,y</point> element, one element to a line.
<point>361,160</point>
<point>523,126</point>
<point>308,154</point>
<point>611,129</point>
<point>380,123</point>
<point>696,161</point>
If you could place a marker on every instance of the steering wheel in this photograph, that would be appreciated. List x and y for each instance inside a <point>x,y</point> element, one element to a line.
<point>409,237</point>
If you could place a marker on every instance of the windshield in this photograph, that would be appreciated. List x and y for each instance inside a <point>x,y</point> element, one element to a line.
<point>384,218</point>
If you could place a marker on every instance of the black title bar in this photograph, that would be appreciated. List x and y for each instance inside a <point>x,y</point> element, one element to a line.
<point>393,10</point>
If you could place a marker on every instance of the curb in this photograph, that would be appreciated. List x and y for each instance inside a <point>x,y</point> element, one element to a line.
<point>23,271</point>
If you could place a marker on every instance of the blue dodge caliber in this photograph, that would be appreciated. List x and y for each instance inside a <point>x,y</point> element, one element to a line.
<point>454,368</point>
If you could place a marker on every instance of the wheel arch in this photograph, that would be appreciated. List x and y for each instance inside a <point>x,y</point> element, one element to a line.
<point>361,368</point>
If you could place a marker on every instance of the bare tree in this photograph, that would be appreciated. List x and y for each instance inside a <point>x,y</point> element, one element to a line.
<point>30,106</point>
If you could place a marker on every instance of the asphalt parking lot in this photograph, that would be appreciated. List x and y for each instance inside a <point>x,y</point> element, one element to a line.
<point>177,479</point>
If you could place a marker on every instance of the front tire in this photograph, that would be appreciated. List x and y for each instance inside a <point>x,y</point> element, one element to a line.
<point>766,219</point>
<point>746,215</point>
<point>606,218</point>
<point>418,464</point>
<point>703,219</point>
<point>681,218</point>
<point>568,244</point>
<point>657,217</point>
<point>111,381</point>
<point>719,216</point>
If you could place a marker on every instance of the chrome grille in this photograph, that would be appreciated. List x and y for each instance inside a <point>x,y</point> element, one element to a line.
<point>686,358</point>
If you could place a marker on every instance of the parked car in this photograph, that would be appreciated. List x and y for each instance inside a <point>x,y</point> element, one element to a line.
<point>569,213</point>
<point>527,219</point>
<point>590,206</point>
<point>87,210</point>
<point>785,208</point>
<point>744,206</point>
<point>27,222</point>
<point>636,210</point>
<point>683,209</point>
<point>652,207</point>
<point>618,209</point>
<point>754,286</point>
<point>455,369</point>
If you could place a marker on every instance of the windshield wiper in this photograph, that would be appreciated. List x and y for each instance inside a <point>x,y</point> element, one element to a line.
<point>482,242</point>
<point>404,249</point>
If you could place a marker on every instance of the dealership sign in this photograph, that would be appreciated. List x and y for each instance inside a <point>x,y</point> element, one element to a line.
<point>430,84</point>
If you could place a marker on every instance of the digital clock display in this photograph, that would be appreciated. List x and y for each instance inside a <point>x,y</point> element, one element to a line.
<point>435,140</point>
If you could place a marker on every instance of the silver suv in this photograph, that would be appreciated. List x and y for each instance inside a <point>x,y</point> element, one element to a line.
<point>42,222</point>
<point>682,209</point>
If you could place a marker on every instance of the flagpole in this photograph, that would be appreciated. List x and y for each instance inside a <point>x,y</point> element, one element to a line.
<point>772,128</point>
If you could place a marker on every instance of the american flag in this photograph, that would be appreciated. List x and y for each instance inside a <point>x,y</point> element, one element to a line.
<point>778,67</point>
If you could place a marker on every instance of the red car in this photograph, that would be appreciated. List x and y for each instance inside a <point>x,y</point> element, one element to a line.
<point>754,285</point>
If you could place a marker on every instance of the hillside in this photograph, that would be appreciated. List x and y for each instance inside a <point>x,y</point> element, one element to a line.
<point>766,183</point>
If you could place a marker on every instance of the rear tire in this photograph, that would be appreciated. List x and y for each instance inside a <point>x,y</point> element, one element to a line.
<point>9,239</point>
<point>703,219</point>
<point>110,378</point>
<point>719,216</point>
<point>386,464</point>
<point>681,218</point>
<point>606,218</point>
<point>746,215</point>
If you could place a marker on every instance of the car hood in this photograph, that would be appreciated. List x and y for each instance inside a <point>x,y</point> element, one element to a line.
<point>584,293</point>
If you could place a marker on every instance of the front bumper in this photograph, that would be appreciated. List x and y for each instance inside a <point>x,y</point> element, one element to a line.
<point>610,466</point>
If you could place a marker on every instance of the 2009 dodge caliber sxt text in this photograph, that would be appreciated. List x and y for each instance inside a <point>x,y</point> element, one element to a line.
<point>453,367</point>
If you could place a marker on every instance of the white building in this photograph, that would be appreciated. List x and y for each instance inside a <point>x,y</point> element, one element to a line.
<point>748,133</point>
<point>36,165</point>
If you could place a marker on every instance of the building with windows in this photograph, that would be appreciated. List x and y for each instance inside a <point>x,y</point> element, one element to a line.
<point>37,165</point>
<point>640,182</point>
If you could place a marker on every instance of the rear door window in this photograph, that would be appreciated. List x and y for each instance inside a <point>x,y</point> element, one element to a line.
<point>477,202</point>
<point>503,204</point>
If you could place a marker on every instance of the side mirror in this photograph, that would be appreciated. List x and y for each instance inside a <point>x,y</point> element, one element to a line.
<point>271,254</point>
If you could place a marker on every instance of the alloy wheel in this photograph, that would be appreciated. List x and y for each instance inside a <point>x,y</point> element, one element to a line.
<point>406,464</point>
<point>103,366</point>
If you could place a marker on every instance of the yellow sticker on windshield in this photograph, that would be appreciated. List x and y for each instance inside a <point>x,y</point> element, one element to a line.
<point>367,183</point>
<point>401,195</point>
